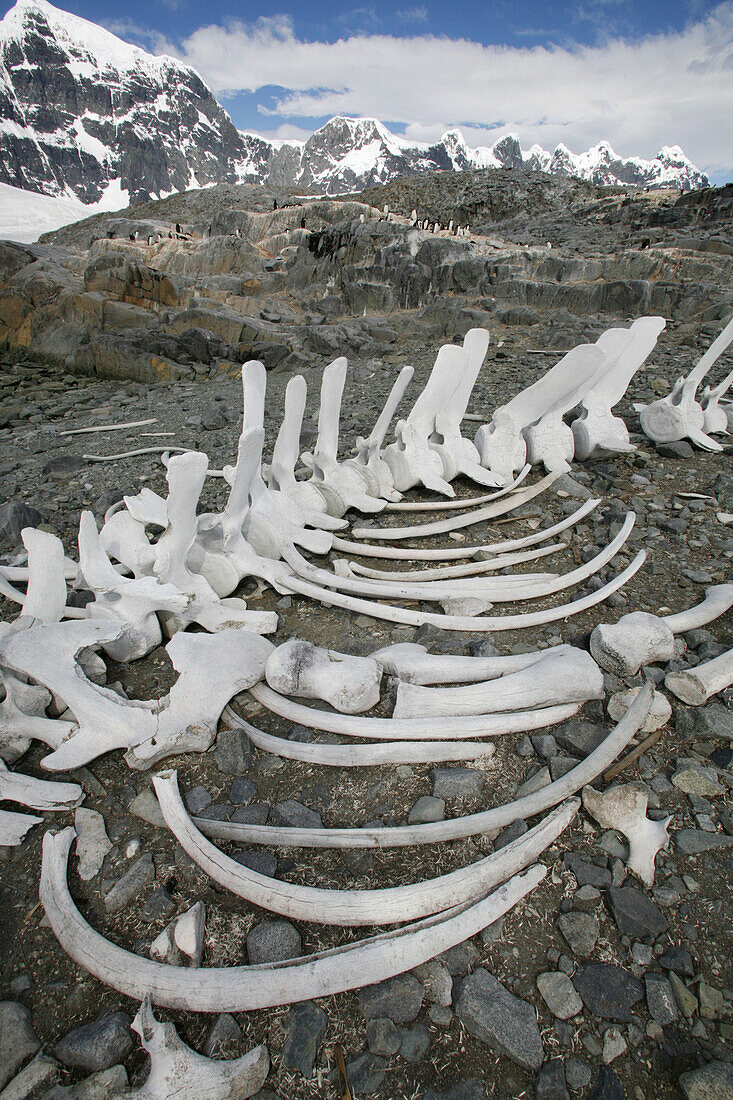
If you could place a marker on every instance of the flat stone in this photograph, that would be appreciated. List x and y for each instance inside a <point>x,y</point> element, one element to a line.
<point>577,1074</point>
<point>92,842</point>
<point>512,832</point>
<point>587,874</point>
<point>712,1001</point>
<point>233,752</point>
<point>295,814</point>
<point>159,906</point>
<point>536,782</point>
<point>18,1042</point>
<point>415,1043</point>
<point>559,994</point>
<point>132,883</point>
<point>398,999</point>
<point>545,745</point>
<point>97,1045</point>
<point>580,930</point>
<point>366,1073</point>
<point>306,1024</point>
<point>258,859</point>
<point>678,449</point>
<point>697,779</point>
<point>256,813</point>
<point>678,959</point>
<point>145,806</point>
<point>692,842</point>
<point>383,1037</point>
<point>712,1082</point>
<point>108,1084</point>
<point>608,991</point>
<point>686,1001</point>
<point>496,1017</point>
<point>14,516</point>
<point>457,783</point>
<point>197,799</point>
<point>614,1045</point>
<point>426,809</point>
<point>635,914</point>
<point>550,1082</point>
<point>579,736</point>
<point>273,940</point>
<point>660,999</point>
<point>461,959</point>
<point>437,982</point>
<point>711,722</point>
<point>224,1037</point>
<point>242,791</point>
<point>607,1086</point>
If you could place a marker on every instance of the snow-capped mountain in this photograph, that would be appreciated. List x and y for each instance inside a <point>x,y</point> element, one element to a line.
<point>83,113</point>
<point>88,117</point>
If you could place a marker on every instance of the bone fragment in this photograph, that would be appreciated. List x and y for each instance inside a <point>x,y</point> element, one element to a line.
<point>349,684</point>
<point>241,988</point>
<point>412,664</point>
<point>659,715</point>
<point>39,794</point>
<point>109,427</point>
<point>13,827</point>
<point>165,450</point>
<point>92,842</point>
<point>698,684</point>
<point>23,718</point>
<point>624,808</point>
<point>189,928</point>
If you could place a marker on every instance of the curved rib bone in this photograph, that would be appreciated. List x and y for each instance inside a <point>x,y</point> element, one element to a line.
<point>349,684</point>
<point>408,729</point>
<point>361,756</point>
<point>39,794</point>
<point>352,908</point>
<point>401,835</point>
<point>241,988</point>
<point>443,526</point>
<point>463,502</point>
<point>642,639</point>
<point>696,685</point>
<point>412,664</point>
<point>624,809</point>
<point>176,1070</point>
<point>364,550</point>
<point>596,428</point>
<point>447,572</point>
<point>571,676</point>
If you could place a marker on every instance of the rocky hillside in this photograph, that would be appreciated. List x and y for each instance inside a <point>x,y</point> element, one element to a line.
<point>88,116</point>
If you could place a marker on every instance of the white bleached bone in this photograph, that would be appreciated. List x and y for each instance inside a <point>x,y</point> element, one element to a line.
<point>351,908</point>
<point>133,603</point>
<point>397,729</point>
<point>177,1071</point>
<point>463,502</point>
<point>679,415</point>
<point>411,663</point>
<point>361,756</point>
<point>38,794</point>
<point>457,523</point>
<point>23,718</point>
<point>280,474</point>
<point>570,676</point>
<point>13,827</point>
<point>241,988</point>
<point>434,832</point>
<point>369,462</point>
<point>185,476</point>
<point>349,684</point>
<point>641,639</point>
<point>92,842</point>
<point>347,568</point>
<point>459,455</point>
<point>597,429</point>
<point>45,596</point>
<point>549,440</point>
<point>716,417</point>
<point>124,540</point>
<point>188,932</point>
<point>342,485</point>
<point>696,685</point>
<point>659,714</point>
<point>212,669</point>
<point>502,442</point>
<point>624,808</point>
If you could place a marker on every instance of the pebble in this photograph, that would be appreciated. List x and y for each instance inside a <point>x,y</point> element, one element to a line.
<point>660,999</point>
<point>428,808</point>
<point>224,1035</point>
<point>18,1041</point>
<point>587,874</point>
<point>691,842</point>
<point>233,752</point>
<point>607,1087</point>
<point>697,779</point>
<point>577,1074</point>
<point>437,982</point>
<point>146,807</point>
<point>132,883</point>
<point>295,814</point>
<point>366,1073</point>
<point>540,779</point>
<point>34,1080</point>
<point>711,722</point>
<point>686,1001</point>
<point>398,999</point>
<point>492,1014</point>
<point>197,799</point>
<point>550,1082</point>
<point>559,994</point>
<point>580,930</point>
<point>92,842</point>
<point>97,1045</point>
<point>242,791</point>
<point>415,1043</point>
<point>608,991</point>
<point>258,859</point>
<point>678,959</point>
<point>635,914</point>
<point>306,1024</point>
<point>460,783</point>
<point>273,940</point>
<point>108,1084</point>
<point>614,1045</point>
<point>383,1037</point>
<point>712,1082</point>
<point>159,906</point>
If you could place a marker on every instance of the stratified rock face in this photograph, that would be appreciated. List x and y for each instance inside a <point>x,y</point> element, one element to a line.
<point>83,113</point>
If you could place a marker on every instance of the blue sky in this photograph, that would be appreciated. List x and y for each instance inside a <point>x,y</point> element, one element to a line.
<point>639,73</point>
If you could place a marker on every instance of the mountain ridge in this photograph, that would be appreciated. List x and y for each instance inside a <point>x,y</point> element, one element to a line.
<point>85,115</point>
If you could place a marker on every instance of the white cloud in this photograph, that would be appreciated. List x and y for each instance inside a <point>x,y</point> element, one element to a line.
<point>665,89</point>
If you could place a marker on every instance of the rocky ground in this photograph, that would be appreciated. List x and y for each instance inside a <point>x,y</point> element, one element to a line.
<point>595,986</point>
